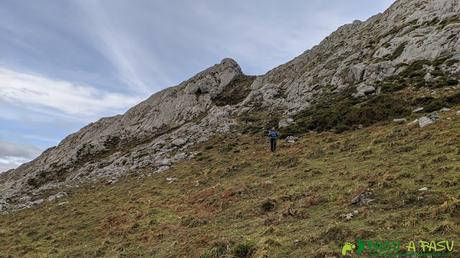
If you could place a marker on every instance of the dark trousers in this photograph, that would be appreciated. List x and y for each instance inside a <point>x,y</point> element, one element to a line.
<point>273,144</point>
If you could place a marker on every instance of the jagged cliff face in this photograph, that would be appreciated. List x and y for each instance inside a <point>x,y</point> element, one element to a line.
<point>363,53</point>
<point>146,136</point>
<point>158,131</point>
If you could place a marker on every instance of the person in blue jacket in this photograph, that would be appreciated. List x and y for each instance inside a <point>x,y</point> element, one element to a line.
<point>273,135</point>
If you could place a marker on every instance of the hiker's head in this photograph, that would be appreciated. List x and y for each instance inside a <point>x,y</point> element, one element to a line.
<point>273,128</point>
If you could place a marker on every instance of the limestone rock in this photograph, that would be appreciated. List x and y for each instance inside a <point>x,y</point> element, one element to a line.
<point>143,137</point>
<point>213,80</point>
<point>445,109</point>
<point>291,139</point>
<point>364,90</point>
<point>418,110</point>
<point>413,123</point>
<point>362,198</point>
<point>361,54</point>
<point>283,123</point>
<point>179,142</point>
<point>400,120</point>
<point>57,196</point>
<point>425,121</point>
<point>349,216</point>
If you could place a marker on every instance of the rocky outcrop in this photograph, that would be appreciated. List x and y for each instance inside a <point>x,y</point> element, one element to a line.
<point>145,137</point>
<point>412,35</point>
<point>425,121</point>
<point>361,54</point>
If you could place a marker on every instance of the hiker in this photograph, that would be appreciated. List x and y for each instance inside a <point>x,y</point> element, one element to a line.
<point>273,135</point>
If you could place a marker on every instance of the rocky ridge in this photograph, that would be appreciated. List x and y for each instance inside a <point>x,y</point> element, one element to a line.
<point>357,59</point>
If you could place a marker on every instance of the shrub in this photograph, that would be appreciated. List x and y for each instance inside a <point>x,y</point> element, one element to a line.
<point>453,99</point>
<point>423,101</point>
<point>380,108</point>
<point>431,104</point>
<point>243,250</point>
<point>348,114</point>
<point>440,60</point>
<point>389,87</point>
<point>267,206</point>
<point>437,72</point>
<point>452,82</point>
<point>444,81</point>
<point>415,69</point>
<point>434,105</point>
<point>452,62</point>
<point>218,249</point>
<point>398,51</point>
<point>253,129</point>
<point>221,249</point>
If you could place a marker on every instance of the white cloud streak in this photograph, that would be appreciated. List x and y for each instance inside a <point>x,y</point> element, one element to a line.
<point>135,63</point>
<point>56,95</point>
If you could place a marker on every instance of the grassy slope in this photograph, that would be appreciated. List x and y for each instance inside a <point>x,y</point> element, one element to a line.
<point>217,199</point>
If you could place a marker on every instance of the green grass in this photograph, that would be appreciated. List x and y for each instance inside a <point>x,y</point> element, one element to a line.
<point>238,199</point>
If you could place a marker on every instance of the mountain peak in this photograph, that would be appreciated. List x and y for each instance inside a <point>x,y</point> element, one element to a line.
<point>214,79</point>
<point>229,62</point>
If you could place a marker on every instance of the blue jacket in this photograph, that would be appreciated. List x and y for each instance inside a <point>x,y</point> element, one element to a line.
<point>273,134</point>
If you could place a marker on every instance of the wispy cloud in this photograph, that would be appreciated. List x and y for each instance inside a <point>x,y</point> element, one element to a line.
<point>135,62</point>
<point>45,94</point>
<point>110,53</point>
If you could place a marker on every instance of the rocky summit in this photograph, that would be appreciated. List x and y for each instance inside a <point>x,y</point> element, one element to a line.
<point>365,74</point>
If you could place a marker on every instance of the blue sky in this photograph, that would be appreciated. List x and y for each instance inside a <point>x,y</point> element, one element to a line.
<point>64,64</point>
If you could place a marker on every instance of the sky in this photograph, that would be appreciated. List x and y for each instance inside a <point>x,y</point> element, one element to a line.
<point>64,64</point>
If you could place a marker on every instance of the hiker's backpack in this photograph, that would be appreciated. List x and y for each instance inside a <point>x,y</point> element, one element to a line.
<point>273,134</point>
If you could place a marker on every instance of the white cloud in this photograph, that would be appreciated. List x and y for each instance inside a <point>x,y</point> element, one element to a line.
<point>9,149</point>
<point>49,95</point>
<point>12,155</point>
<point>7,163</point>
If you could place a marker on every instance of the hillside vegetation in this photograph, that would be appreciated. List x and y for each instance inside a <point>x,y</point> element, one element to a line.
<point>373,119</point>
<point>236,199</point>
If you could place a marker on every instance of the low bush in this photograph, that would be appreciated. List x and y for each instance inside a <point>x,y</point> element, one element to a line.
<point>221,249</point>
<point>423,101</point>
<point>431,104</point>
<point>453,99</point>
<point>399,50</point>
<point>348,114</point>
<point>244,250</point>
<point>267,206</point>
<point>217,250</point>
<point>452,82</point>
<point>434,105</point>
<point>415,69</point>
<point>388,87</point>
